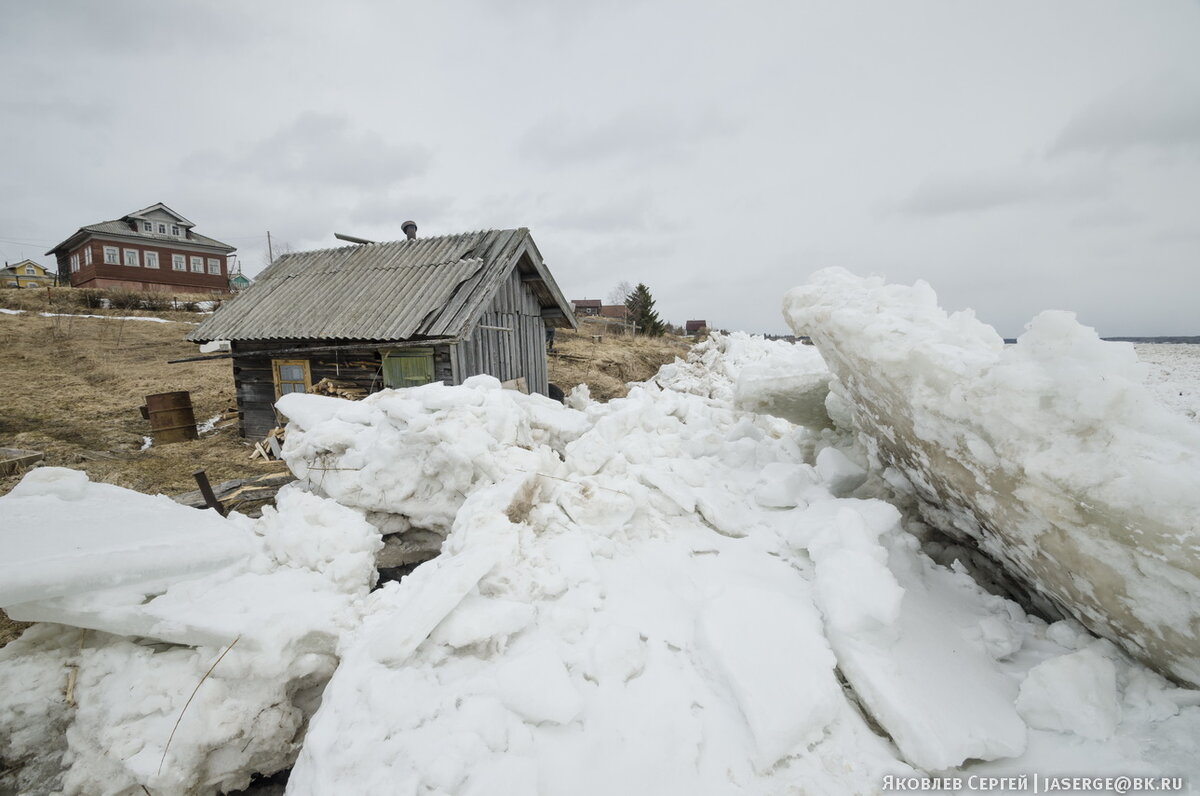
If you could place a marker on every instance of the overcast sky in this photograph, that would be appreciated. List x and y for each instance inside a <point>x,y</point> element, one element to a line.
<point>1019,156</point>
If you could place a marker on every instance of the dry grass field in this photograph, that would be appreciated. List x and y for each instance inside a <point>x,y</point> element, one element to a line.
<point>607,364</point>
<point>71,388</point>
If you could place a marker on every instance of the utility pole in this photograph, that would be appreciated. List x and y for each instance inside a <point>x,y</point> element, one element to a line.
<point>270,254</point>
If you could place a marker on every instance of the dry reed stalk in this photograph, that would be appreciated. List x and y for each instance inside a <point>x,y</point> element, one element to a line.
<point>189,702</point>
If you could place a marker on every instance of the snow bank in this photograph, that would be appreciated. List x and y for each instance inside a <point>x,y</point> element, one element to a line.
<point>665,594</point>
<point>621,620</point>
<point>138,631</point>
<point>771,377</point>
<point>1051,455</point>
<point>452,441</point>
<point>90,536</point>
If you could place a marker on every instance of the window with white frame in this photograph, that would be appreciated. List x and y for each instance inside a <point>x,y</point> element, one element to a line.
<point>197,265</point>
<point>74,263</point>
<point>177,263</point>
<point>31,271</point>
<point>112,256</point>
<point>87,256</point>
<point>151,259</point>
<point>174,229</point>
<point>162,229</point>
<point>214,266</point>
<point>131,257</point>
<point>147,226</point>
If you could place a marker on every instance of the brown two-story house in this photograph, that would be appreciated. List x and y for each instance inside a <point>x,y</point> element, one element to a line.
<point>150,249</point>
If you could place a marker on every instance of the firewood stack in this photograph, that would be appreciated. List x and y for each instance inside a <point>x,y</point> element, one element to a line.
<point>339,389</point>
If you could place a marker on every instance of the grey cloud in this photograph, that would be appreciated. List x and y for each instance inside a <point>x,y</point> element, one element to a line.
<point>1163,115</point>
<point>637,135</point>
<point>320,150</point>
<point>388,213</point>
<point>982,192</point>
<point>126,29</point>
<point>1108,217</point>
<point>630,213</point>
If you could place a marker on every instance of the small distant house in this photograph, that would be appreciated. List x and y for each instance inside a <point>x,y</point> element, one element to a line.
<point>150,249</point>
<point>238,281</point>
<point>396,314</point>
<point>26,273</point>
<point>614,311</point>
<point>587,306</point>
<point>694,327</point>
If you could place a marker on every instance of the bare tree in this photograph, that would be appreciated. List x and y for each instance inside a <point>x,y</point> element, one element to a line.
<point>620,293</point>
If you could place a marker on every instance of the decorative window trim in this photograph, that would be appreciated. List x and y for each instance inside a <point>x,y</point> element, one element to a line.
<point>214,266</point>
<point>147,226</point>
<point>178,262</point>
<point>133,258</point>
<point>197,265</point>
<point>150,259</point>
<point>112,255</point>
<point>175,230</point>
<point>162,229</point>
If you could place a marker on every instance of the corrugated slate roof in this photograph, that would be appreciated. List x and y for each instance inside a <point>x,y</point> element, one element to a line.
<point>427,287</point>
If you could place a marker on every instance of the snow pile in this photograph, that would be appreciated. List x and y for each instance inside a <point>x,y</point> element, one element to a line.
<point>665,594</point>
<point>1051,455</point>
<point>149,594</point>
<point>411,457</point>
<point>623,619</point>
<point>668,605</point>
<point>772,377</point>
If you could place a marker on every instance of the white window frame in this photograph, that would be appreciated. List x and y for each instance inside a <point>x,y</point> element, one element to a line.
<point>175,230</point>
<point>150,259</point>
<point>197,265</point>
<point>112,255</point>
<point>74,265</point>
<point>87,255</point>
<point>147,226</point>
<point>136,258</point>
<point>214,266</point>
<point>162,229</point>
<point>178,262</point>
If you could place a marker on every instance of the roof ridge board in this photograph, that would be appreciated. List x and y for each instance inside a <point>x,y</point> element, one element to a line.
<point>390,242</point>
<point>390,266</point>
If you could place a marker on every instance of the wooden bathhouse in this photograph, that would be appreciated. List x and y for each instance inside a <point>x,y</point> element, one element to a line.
<point>396,314</point>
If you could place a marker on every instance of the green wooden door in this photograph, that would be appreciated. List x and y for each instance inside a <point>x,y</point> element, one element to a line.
<point>408,367</point>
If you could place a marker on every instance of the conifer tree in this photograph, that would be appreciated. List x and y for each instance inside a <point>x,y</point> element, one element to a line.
<point>640,310</point>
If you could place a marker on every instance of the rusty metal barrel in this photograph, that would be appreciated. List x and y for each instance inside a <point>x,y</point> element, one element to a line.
<point>171,417</point>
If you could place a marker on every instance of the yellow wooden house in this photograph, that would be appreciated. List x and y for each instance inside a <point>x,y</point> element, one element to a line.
<point>26,273</point>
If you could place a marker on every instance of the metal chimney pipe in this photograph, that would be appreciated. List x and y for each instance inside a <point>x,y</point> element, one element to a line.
<point>410,229</point>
